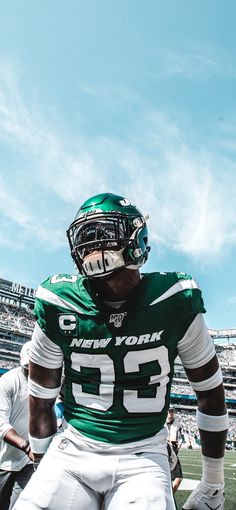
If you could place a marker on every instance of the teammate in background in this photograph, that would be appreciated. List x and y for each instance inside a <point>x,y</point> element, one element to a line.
<point>118,333</point>
<point>16,458</point>
<point>175,439</point>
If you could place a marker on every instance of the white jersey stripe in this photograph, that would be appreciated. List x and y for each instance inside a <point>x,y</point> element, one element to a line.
<point>52,298</point>
<point>177,287</point>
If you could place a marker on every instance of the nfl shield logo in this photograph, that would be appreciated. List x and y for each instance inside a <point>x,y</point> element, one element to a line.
<point>117,319</point>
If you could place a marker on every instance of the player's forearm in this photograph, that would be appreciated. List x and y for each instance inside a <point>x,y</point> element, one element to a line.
<point>42,417</point>
<point>212,401</point>
<point>42,425</point>
<point>44,386</point>
<point>212,421</point>
<point>213,443</point>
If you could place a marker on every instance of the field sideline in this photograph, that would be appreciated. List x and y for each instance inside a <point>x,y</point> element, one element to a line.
<point>191,466</point>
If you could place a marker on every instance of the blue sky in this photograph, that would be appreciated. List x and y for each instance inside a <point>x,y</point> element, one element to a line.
<point>126,96</point>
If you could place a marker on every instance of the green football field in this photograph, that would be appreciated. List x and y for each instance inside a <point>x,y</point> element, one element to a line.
<point>191,466</point>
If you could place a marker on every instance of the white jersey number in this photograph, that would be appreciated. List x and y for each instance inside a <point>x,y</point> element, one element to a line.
<point>101,396</point>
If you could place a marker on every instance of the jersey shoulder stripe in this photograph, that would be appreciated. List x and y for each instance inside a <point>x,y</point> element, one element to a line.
<point>177,287</point>
<point>174,293</point>
<point>69,292</point>
<point>54,299</point>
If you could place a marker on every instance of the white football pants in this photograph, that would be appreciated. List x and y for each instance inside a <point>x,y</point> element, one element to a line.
<point>69,478</point>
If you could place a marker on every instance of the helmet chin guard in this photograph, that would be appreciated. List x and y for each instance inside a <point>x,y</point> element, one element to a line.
<point>108,233</point>
<point>96,262</point>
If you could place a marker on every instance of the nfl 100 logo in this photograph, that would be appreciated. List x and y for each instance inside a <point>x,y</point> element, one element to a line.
<point>117,319</point>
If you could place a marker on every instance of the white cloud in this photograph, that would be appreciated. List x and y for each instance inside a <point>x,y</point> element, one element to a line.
<point>187,206</point>
<point>184,189</point>
<point>199,61</point>
<point>11,206</point>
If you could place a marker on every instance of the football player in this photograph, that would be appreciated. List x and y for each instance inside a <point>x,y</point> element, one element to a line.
<point>118,332</point>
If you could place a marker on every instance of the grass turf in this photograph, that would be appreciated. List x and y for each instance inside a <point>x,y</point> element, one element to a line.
<point>191,466</point>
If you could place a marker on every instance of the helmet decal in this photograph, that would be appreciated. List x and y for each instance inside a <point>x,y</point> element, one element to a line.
<point>124,202</point>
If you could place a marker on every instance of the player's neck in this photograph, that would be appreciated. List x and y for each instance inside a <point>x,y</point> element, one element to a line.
<point>118,286</point>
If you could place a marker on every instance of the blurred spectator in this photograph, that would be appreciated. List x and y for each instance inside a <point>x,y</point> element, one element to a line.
<point>16,465</point>
<point>175,440</point>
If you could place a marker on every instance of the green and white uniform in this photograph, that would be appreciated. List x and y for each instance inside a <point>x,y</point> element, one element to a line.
<point>118,363</point>
<point>118,368</point>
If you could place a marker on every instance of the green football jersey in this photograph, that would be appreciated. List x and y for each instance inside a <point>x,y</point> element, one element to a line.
<point>118,363</point>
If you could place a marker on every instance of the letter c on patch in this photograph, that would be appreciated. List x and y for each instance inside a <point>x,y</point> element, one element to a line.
<point>67,322</point>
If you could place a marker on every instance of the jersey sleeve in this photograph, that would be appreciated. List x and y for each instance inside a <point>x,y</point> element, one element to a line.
<point>44,349</point>
<point>196,347</point>
<point>191,294</point>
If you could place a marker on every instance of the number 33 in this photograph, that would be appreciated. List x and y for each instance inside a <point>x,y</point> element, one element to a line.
<point>102,393</point>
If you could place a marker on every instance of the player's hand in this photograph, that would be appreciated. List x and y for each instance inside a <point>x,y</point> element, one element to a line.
<point>206,496</point>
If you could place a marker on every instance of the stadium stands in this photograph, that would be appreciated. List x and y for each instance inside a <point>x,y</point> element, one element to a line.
<point>16,321</point>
